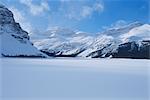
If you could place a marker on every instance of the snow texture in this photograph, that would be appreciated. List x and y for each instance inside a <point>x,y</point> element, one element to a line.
<point>74,79</point>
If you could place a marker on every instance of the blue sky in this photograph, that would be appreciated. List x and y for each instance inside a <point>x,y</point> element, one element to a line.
<point>85,15</point>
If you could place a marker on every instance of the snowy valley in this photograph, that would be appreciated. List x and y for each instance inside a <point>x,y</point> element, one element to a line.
<point>70,73</point>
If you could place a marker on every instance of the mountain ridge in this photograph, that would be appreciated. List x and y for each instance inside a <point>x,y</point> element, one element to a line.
<point>15,42</point>
<point>105,44</point>
<point>128,41</point>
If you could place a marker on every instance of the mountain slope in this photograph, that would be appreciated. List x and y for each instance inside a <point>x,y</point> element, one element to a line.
<point>137,34</point>
<point>136,43</point>
<point>133,38</point>
<point>63,42</point>
<point>14,41</point>
<point>117,31</point>
<point>133,50</point>
<point>133,44</point>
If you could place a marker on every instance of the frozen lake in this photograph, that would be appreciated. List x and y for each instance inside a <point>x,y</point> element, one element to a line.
<point>74,79</point>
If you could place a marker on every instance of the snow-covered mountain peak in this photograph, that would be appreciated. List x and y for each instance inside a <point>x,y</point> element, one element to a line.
<point>137,34</point>
<point>115,32</point>
<point>6,16</point>
<point>133,24</point>
<point>8,25</point>
<point>14,40</point>
<point>65,42</point>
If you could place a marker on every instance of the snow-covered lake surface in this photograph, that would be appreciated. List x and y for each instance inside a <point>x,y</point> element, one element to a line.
<point>74,79</point>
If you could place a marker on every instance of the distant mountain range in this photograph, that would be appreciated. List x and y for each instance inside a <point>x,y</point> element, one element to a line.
<point>128,41</point>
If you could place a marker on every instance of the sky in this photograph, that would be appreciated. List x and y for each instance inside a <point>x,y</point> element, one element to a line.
<point>90,16</point>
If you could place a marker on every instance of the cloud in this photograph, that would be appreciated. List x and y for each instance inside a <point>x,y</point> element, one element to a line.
<point>116,25</point>
<point>119,23</point>
<point>81,10</point>
<point>98,7</point>
<point>34,8</point>
<point>86,11</point>
<point>20,18</point>
<point>89,10</point>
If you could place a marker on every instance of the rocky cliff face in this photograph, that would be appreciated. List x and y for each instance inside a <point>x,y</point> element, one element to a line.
<point>133,50</point>
<point>14,40</point>
<point>8,25</point>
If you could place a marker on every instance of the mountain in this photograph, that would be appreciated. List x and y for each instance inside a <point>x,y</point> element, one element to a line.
<point>136,43</point>
<point>117,31</point>
<point>14,40</point>
<point>108,44</point>
<point>128,41</point>
<point>133,50</point>
<point>62,42</point>
<point>101,45</point>
<point>137,34</point>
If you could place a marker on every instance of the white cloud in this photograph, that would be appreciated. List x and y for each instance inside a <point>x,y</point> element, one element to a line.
<point>89,10</point>
<point>34,8</point>
<point>86,11</point>
<point>20,18</point>
<point>116,25</point>
<point>80,10</point>
<point>98,7</point>
<point>119,23</point>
